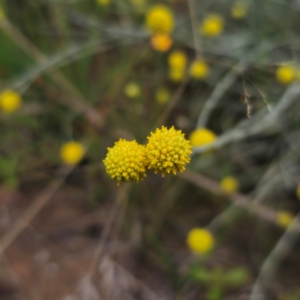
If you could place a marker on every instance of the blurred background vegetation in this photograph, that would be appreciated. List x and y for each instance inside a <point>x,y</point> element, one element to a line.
<point>78,75</point>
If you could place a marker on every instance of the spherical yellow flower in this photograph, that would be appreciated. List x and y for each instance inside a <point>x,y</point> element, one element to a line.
<point>286,74</point>
<point>71,153</point>
<point>201,137</point>
<point>132,90</point>
<point>239,9</point>
<point>298,192</point>
<point>167,151</point>
<point>1,14</point>
<point>126,161</point>
<point>284,219</point>
<point>103,2</point>
<point>176,74</point>
<point>200,241</point>
<point>159,19</point>
<point>199,69</point>
<point>161,42</point>
<point>229,184</point>
<point>162,95</point>
<point>212,25</point>
<point>177,60</point>
<point>10,101</point>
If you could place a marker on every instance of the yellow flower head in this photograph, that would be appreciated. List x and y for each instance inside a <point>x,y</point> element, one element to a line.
<point>162,95</point>
<point>10,101</point>
<point>161,42</point>
<point>177,60</point>
<point>229,184</point>
<point>212,25</point>
<point>200,241</point>
<point>284,219</point>
<point>126,161</point>
<point>286,74</point>
<point>239,9</point>
<point>159,19</point>
<point>199,69</point>
<point>201,137</point>
<point>103,2</point>
<point>298,192</point>
<point>1,14</point>
<point>168,151</point>
<point>176,74</point>
<point>132,90</point>
<point>71,153</point>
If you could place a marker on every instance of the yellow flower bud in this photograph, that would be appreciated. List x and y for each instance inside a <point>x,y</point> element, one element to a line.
<point>161,42</point>
<point>10,101</point>
<point>212,25</point>
<point>229,184</point>
<point>199,69</point>
<point>71,153</point>
<point>284,219</point>
<point>159,19</point>
<point>201,137</point>
<point>200,241</point>
<point>286,74</point>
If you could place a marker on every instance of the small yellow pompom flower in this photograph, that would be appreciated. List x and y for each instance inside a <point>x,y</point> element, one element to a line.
<point>239,9</point>
<point>212,25</point>
<point>298,192</point>
<point>284,219</point>
<point>176,74</point>
<point>200,241</point>
<point>132,90</point>
<point>103,2</point>
<point>229,184</point>
<point>286,74</point>
<point>126,161</point>
<point>161,42</point>
<point>199,69</point>
<point>10,101</point>
<point>159,19</point>
<point>177,60</point>
<point>162,95</point>
<point>201,137</point>
<point>71,153</point>
<point>167,151</point>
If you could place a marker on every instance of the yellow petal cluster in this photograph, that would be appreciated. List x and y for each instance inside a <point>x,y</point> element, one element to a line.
<point>167,151</point>
<point>10,101</point>
<point>71,152</point>
<point>200,241</point>
<point>201,137</point>
<point>229,184</point>
<point>159,19</point>
<point>286,74</point>
<point>161,42</point>
<point>162,95</point>
<point>177,60</point>
<point>284,219</point>
<point>126,161</point>
<point>199,69</point>
<point>212,25</point>
<point>132,90</point>
<point>239,9</point>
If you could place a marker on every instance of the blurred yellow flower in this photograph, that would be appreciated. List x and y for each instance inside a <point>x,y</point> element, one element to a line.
<point>201,137</point>
<point>199,69</point>
<point>138,4</point>
<point>159,19</point>
<point>286,74</point>
<point>229,184</point>
<point>176,74</point>
<point>200,241</point>
<point>298,192</point>
<point>177,60</point>
<point>132,90</point>
<point>167,151</point>
<point>212,25</point>
<point>10,101</point>
<point>71,152</point>
<point>126,161</point>
<point>284,219</point>
<point>103,2</point>
<point>162,95</point>
<point>1,14</point>
<point>161,42</point>
<point>239,9</point>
